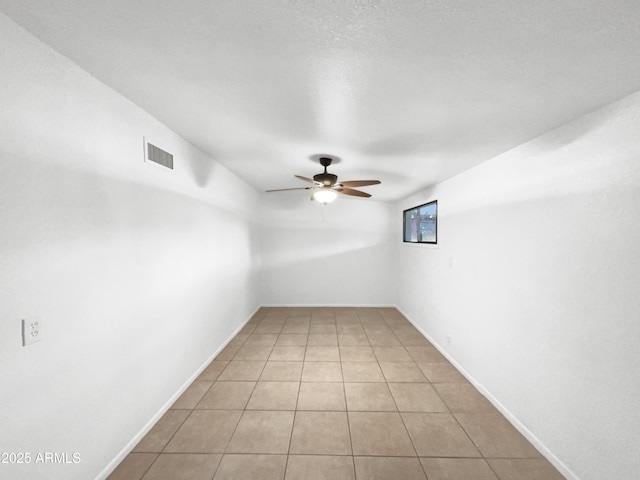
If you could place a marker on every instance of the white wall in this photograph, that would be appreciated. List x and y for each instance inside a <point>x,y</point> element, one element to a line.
<point>138,275</point>
<point>342,256</point>
<point>535,279</point>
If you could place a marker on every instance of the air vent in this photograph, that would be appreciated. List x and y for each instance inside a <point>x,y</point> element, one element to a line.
<point>159,156</point>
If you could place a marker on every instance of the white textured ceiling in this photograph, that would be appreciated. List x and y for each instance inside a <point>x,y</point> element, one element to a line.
<point>408,92</point>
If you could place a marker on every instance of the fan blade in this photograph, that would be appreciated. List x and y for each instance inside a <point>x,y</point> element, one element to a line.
<point>359,183</point>
<point>351,191</point>
<point>310,180</point>
<point>284,189</point>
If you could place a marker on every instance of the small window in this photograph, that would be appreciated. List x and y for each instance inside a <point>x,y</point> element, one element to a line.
<point>421,223</point>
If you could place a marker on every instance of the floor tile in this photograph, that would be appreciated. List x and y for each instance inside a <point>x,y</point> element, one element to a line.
<point>357,354</point>
<point>320,467</point>
<point>372,320</point>
<point>185,466</point>
<point>228,352</point>
<point>323,339</point>
<point>457,469</point>
<point>463,397</point>
<point>403,329</point>
<point>416,397</point>
<point>276,313</point>
<point>241,370</point>
<point>133,467</point>
<point>426,355</point>
<point>317,353</point>
<point>383,340</point>
<point>262,432</point>
<point>292,339</point>
<point>350,329</point>
<point>402,372</point>
<point>322,372</point>
<point>253,352</point>
<point>192,395</point>
<point>346,321</point>
<point>392,354</point>
<point>353,340</point>
<point>323,329</point>
<point>378,328</point>
<point>265,339</point>
<point>295,328</point>
<point>254,467</point>
<point>376,433</point>
<point>274,396</point>
<point>248,328</point>
<point>323,321</point>
<point>273,320</point>
<point>438,435</point>
<point>321,396</point>
<point>345,312</point>
<point>376,325</point>
<point>362,372</point>
<point>158,437</point>
<point>412,339</point>
<point>213,371</point>
<point>269,328</point>
<point>524,469</point>
<point>287,353</point>
<point>297,317</point>
<point>226,396</point>
<point>316,320</point>
<point>321,433</point>
<point>239,339</point>
<point>389,468</point>
<point>441,373</point>
<point>282,372</point>
<point>495,436</point>
<point>205,431</point>
<point>372,397</point>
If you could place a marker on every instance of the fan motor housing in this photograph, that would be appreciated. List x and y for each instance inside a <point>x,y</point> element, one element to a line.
<point>327,179</point>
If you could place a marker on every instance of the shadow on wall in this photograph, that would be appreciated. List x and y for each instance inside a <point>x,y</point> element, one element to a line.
<point>201,170</point>
<point>358,276</point>
<point>291,246</point>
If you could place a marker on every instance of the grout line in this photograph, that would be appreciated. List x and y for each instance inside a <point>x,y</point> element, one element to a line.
<point>150,465</point>
<point>174,433</point>
<point>295,412</point>
<point>400,415</point>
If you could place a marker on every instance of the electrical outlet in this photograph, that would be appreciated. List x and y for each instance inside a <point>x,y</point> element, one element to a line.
<point>31,331</point>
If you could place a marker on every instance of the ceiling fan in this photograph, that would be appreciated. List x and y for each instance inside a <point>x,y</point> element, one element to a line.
<point>326,186</point>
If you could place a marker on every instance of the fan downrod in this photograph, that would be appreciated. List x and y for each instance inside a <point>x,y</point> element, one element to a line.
<point>326,179</point>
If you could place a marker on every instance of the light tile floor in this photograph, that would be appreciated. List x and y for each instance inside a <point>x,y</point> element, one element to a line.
<point>332,393</point>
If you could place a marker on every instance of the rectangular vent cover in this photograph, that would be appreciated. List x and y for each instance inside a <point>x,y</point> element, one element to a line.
<point>159,156</point>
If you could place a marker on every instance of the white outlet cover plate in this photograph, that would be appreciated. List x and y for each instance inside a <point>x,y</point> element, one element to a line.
<point>31,331</point>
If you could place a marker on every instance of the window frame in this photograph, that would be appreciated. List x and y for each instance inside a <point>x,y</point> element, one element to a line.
<point>404,224</point>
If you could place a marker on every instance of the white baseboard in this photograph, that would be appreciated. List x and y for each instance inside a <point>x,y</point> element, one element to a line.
<point>149,425</point>
<point>548,454</point>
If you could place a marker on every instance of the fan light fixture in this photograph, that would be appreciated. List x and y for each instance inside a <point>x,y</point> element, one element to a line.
<point>325,195</point>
